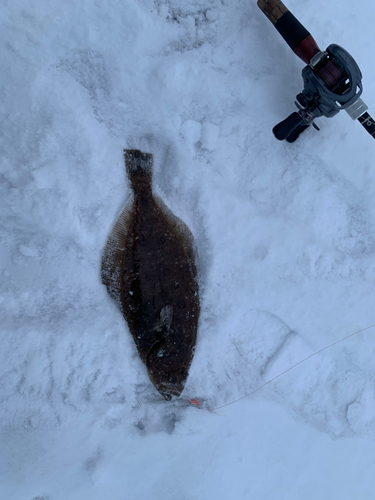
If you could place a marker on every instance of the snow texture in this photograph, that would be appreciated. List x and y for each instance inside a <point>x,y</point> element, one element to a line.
<point>285,235</point>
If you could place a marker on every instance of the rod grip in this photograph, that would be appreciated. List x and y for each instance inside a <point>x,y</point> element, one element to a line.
<point>273,9</point>
<point>293,32</point>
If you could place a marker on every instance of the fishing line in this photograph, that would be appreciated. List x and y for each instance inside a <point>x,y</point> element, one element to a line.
<point>291,368</point>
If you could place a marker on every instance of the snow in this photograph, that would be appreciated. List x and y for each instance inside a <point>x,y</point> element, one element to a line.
<point>286,242</point>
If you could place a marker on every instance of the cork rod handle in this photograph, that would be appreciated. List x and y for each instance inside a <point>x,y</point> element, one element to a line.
<point>293,32</point>
<point>273,9</point>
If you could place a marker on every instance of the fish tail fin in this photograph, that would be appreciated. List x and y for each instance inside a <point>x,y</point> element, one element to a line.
<point>139,169</point>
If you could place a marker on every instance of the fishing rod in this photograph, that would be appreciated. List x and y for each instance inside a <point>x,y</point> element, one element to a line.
<point>332,79</point>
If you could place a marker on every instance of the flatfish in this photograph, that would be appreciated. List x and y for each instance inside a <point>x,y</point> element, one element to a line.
<point>149,269</point>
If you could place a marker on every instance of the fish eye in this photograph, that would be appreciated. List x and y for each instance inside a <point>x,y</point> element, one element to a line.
<point>173,379</point>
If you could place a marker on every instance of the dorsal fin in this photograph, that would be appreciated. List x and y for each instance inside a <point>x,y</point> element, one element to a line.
<point>114,252</point>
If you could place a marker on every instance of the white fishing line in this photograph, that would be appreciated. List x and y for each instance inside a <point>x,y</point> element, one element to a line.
<point>291,368</point>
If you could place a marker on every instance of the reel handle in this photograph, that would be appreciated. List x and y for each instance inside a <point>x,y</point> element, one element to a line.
<point>293,32</point>
<point>283,129</point>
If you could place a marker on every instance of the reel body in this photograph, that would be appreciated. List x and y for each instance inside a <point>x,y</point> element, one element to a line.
<point>332,79</point>
<point>332,82</point>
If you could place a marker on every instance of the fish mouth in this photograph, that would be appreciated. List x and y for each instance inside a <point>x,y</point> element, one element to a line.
<point>168,390</point>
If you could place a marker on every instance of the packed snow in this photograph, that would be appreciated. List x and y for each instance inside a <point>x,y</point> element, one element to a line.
<point>285,236</point>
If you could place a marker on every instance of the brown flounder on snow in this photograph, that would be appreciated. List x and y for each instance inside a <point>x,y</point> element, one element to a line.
<point>149,269</point>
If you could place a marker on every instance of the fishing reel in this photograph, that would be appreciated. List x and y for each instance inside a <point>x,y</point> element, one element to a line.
<point>332,82</point>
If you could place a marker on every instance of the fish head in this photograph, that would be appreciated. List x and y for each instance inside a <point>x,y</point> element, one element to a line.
<point>168,380</point>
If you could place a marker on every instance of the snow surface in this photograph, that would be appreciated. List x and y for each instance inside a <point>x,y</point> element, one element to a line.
<point>285,235</point>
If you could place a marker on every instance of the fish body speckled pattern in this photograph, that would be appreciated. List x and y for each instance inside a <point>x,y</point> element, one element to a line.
<point>149,269</point>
